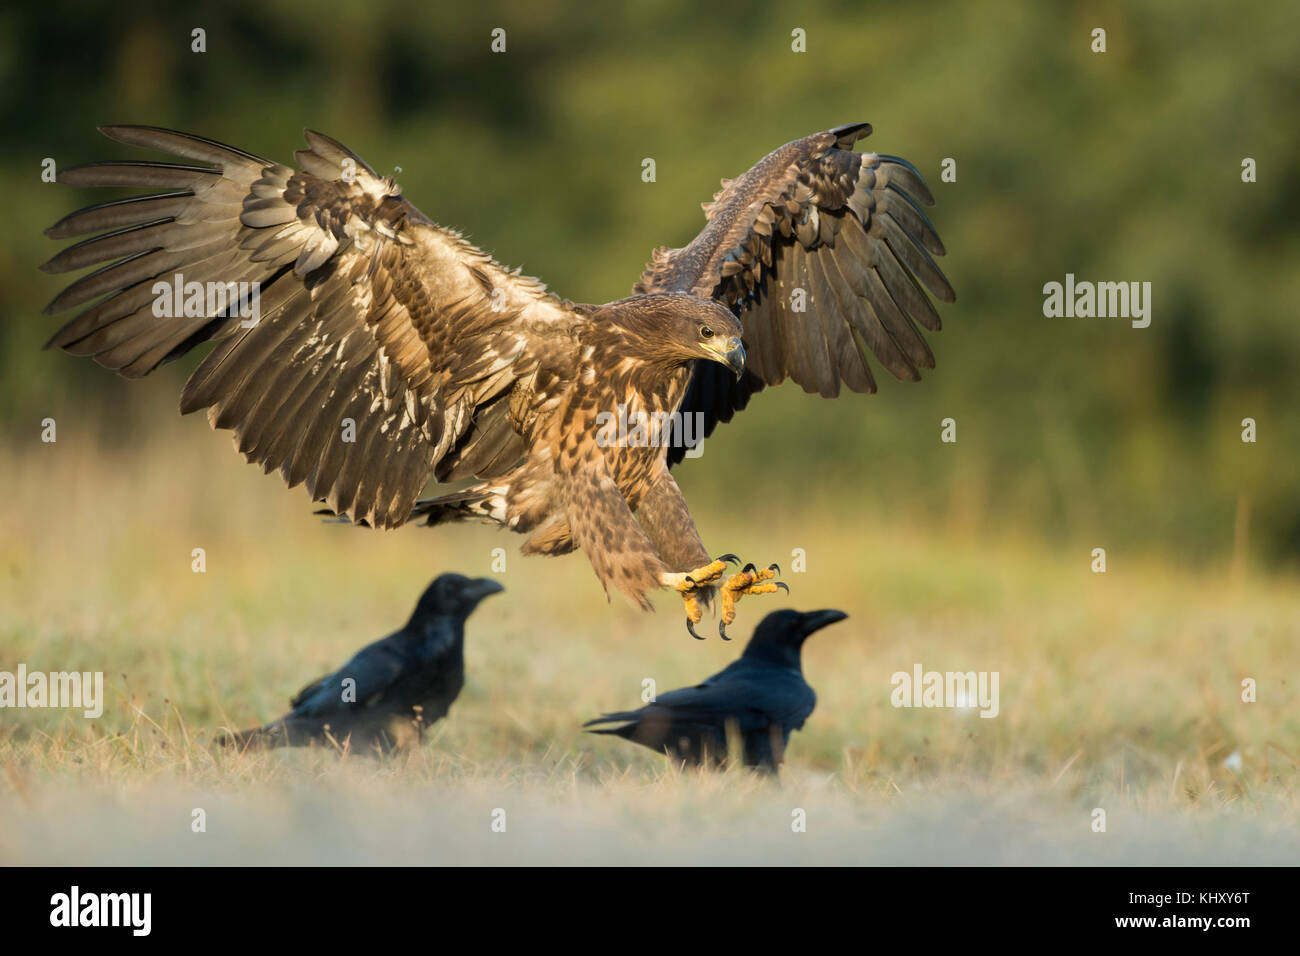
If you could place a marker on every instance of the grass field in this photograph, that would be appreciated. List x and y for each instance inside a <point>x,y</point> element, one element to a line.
<point>1119,691</point>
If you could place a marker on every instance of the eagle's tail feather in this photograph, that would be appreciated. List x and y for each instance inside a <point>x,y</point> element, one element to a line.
<point>476,503</point>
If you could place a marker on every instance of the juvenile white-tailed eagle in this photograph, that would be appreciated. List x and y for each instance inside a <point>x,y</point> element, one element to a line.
<point>385,349</point>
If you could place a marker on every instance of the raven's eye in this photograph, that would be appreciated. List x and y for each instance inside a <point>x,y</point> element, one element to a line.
<point>706,332</point>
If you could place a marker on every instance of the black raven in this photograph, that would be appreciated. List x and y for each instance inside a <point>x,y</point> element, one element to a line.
<point>392,689</point>
<point>763,695</point>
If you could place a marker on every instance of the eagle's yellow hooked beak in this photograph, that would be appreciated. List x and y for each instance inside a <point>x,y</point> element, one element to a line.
<point>730,352</point>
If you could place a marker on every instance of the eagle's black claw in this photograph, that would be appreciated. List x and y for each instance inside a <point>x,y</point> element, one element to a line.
<point>774,567</point>
<point>783,586</point>
<point>722,630</point>
<point>690,626</point>
<point>729,558</point>
<point>748,568</point>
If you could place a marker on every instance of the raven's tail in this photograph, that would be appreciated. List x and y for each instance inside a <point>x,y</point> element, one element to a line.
<point>627,718</point>
<point>285,732</point>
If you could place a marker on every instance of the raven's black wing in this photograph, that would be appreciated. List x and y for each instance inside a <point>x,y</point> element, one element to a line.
<point>372,670</point>
<point>753,696</point>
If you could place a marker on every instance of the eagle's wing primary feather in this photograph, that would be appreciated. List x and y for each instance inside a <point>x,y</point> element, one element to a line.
<point>369,312</point>
<point>845,228</point>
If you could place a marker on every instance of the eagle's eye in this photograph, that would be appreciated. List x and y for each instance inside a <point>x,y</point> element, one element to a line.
<point>706,332</point>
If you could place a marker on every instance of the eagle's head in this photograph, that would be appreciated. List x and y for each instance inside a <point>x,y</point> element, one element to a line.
<point>678,328</point>
<point>715,335</point>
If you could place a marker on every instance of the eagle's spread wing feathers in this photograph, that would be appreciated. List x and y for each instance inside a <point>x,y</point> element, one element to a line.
<point>369,311</point>
<point>820,249</point>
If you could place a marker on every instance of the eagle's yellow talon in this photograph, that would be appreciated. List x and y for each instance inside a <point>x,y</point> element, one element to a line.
<point>685,583</point>
<point>749,580</point>
<point>694,613</point>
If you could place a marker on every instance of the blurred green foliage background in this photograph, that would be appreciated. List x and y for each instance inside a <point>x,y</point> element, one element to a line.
<point>1121,166</point>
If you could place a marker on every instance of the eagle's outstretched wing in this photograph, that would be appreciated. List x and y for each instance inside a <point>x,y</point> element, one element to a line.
<point>369,312</point>
<point>819,249</point>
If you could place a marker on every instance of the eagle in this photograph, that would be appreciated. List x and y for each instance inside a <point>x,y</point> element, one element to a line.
<point>362,349</point>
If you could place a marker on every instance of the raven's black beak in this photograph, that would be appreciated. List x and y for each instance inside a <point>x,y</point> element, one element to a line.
<point>480,588</point>
<point>735,356</point>
<point>815,620</point>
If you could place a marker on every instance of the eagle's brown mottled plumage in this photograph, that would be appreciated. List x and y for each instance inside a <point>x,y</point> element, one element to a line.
<point>451,366</point>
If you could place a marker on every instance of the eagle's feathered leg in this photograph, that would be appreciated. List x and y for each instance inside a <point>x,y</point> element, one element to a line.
<point>603,526</point>
<point>663,514</point>
<point>749,580</point>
